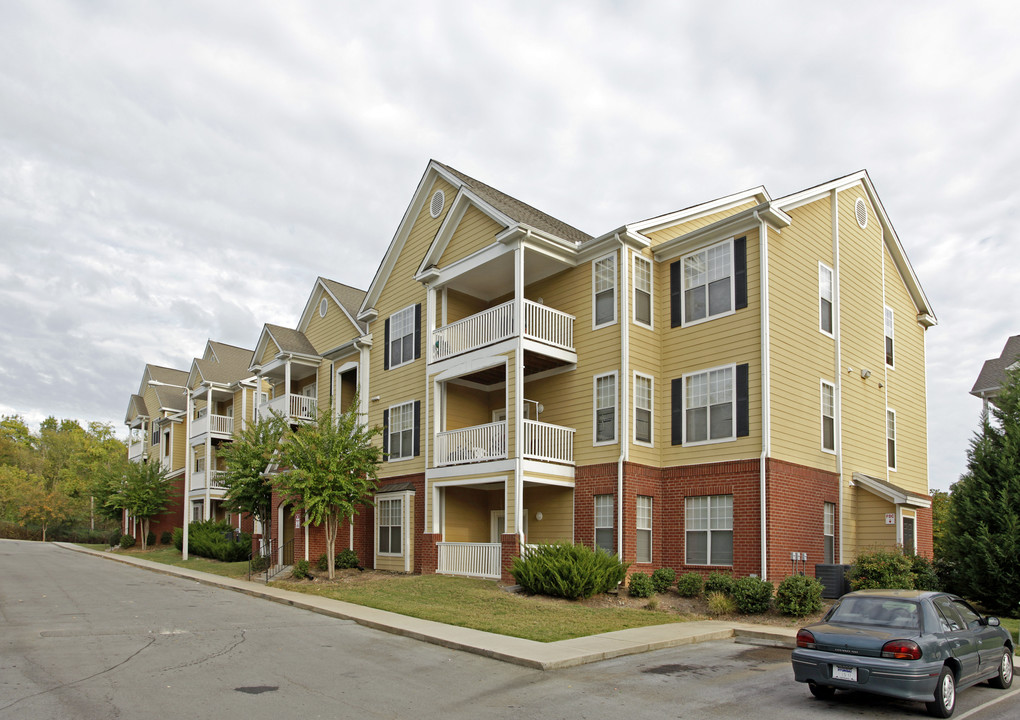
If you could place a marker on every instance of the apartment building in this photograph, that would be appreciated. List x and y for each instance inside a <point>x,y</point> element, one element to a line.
<point>993,372</point>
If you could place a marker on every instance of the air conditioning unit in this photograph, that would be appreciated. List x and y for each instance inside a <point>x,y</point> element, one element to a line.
<point>833,580</point>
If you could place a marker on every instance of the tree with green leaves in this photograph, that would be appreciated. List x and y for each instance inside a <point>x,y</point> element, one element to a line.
<point>330,469</point>
<point>144,491</point>
<point>248,487</point>
<point>981,540</point>
<point>26,497</point>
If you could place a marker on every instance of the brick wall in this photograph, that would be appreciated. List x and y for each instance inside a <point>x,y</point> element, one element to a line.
<point>511,548</point>
<point>795,498</point>
<point>924,539</point>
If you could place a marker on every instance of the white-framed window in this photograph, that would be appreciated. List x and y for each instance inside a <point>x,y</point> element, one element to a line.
<point>166,444</point>
<point>709,406</point>
<point>643,538</point>
<point>889,334</point>
<point>400,432</point>
<point>708,283</point>
<point>604,523</point>
<point>155,436</point>
<point>605,408</point>
<point>391,522</point>
<point>909,535</point>
<point>603,280</point>
<point>828,417</point>
<point>196,510</point>
<point>402,337</point>
<point>323,306</point>
<point>709,530</point>
<point>890,438</point>
<point>199,464</point>
<point>829,532</point>
<point>644,388</point>
<point>642,291</point>
<point>825,298</point>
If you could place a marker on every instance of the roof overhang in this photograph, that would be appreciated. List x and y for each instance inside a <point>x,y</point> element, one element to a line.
<point>888,491</point>
<point>741,222</point>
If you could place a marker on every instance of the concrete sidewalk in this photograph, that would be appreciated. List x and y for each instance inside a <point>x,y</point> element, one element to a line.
<point>529,653</point>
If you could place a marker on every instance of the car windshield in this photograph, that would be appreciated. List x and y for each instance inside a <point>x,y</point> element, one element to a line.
<point>885,612</point>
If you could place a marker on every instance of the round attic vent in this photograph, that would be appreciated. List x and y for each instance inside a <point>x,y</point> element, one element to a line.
<point>862,212</point>
<point>322,307</point>
<point>438,200</point>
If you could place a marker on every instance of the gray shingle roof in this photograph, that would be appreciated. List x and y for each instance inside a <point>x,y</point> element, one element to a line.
<point>993,372</point>
<point>350,297</point>
<point>521,212</point>
<point>136,407</point>
<point>290,340</point>
<point>167,375</point>
<point>231,364</point>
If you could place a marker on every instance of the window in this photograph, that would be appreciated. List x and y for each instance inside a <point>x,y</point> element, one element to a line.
<point>890,438</point>
<point>155,436</point>
<point>200,464</point>
<point>708,282</point>
<point>166,444</point>
<point>401,342</point>
<point>828,417</point>
<point>604,289</point>
<point>825,299</point>
<point>323,306</point>
<point>889,336</point>
<point>605,408</point>
<point>604,523</point>
<point>390,522</point>
<point>644,529</point>
<point>400,421</point>
<point>709,398</point>
<point>829,532</point>
<point>642,291</point>
<point>709,526</point>
<point>196,511</point>
<point>643,386</point>
<point>909,546</point>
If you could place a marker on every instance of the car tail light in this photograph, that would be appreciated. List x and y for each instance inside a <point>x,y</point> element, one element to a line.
<point>901,650</point>
<point>805,639</point>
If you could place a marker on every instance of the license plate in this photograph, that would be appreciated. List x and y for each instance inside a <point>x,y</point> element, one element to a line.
<point>842,672</point>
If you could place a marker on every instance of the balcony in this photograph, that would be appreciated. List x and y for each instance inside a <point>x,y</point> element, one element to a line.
<point>215,424</point>
<point>198,479</point>
<point>541,323</point>
<point>136,450</point>
<point>481,560</point>
<point>482,443</point>
<point>292,407</point>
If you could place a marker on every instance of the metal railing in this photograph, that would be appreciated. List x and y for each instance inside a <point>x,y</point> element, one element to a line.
<point>551,443</point>
<point>470,559</point>
<point>271,561</point>
<point>494,324</point>
<point>471,444</point>
<point>218,424</point>
<point>300,407</point>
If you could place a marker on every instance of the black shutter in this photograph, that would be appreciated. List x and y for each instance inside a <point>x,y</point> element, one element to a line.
<point>385,433</point>
<point>386,346</point>
<point>417,335</point>
<point>740,272</point>
<point>677,411</point>
<point>675,288</point>
<point>743,406</point>
<point>417,428</point>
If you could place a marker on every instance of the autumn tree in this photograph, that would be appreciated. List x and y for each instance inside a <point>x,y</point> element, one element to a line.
<point>26,498</point>
<point>330,469</point>
<point>144,491</point>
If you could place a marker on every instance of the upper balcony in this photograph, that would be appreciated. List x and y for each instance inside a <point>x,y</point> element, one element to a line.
<point>295,408</point>
<point>482,443</point>
<point>542,324</point>
<point>136,449</point>
<point>217,425</point>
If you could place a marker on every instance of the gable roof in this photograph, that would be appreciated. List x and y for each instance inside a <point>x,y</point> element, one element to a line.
<point>993,372</point>
<point>348,298</point>
<point>171,398</point>
<point>222,363</point>
<point>160,374</point>
<point>136,408</point>
<point>287,341</point>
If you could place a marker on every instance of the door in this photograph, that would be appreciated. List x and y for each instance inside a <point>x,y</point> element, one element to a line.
<point>497,525</point>
<point>909,546</point>
<point>287,536</point>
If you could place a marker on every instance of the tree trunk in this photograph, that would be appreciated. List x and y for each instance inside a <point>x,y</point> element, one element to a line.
<point>331,530</point>
<point>44,532</point>
<point>145,531</point>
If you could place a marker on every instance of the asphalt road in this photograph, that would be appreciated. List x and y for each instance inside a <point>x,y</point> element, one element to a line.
<point>82,638</point>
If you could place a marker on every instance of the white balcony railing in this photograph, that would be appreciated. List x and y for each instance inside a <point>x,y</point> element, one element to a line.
<point>551,443</point>
<point>497,323</point>
<point>136,450</point>
<point>292,406</point>
<point>471,444</point>
<point>469,559</point>
<point>216,424</point>
<point>198,479</point>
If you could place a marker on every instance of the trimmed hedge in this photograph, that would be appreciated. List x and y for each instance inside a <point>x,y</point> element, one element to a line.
<point>799,595</point>
<point>752,595</point>
<point>883,569</point>
<point>663,579</point>
<point>690,585</point>
<point>567,570</point>
<point>209,539</point>
<point>640,585</point>
<point>718,582</point>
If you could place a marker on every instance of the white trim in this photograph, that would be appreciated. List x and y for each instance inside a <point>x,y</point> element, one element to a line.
<point>683,286</point>
<point>389,433</point>
<point>651,409</point>
<point>649,529</point>
<point>595,518</point>
<point>821,397</point>
<point>896,445</point>
<point>890,335</point>
<point>416,341</point>
<point>390,497</point>
<point>651,290</point>
<point>709,530</point>
<point>595,409</point>
<point>832,305</point>
<point>595,325</point>
<point>727,202</point>
<point>686,396</point>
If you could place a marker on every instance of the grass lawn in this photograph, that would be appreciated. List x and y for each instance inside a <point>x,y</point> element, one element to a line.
<point>1013,625</point>
<point>482,605</point>
<point>169,555</point>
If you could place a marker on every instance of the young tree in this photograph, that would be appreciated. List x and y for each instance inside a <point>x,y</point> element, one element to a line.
<point>331,469</point>
<point>144,492</point>
<point>982,534</point>
<point>248,488</point>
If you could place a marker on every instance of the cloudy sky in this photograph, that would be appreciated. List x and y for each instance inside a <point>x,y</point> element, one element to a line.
<point>171,172</point>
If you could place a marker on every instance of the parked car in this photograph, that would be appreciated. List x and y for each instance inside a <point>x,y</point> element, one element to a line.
<point>909,644</point>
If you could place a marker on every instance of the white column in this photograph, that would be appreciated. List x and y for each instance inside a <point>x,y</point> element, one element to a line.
<point>518,526</point>
<point>286,389</point>
<point>189,461</point>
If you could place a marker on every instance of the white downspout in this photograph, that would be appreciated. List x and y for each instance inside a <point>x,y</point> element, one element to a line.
<point>766,424</point>
<point>189,460</point>
<point>518,392</point>
<point>430,428</point>
<point>838,420</point>
<point>624,395</point>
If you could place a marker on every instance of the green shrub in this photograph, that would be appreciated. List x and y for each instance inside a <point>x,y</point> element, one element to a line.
<point>752,595</point>
<point>719,603</point>
<point>880,568</point>
<point>166,538</point>
<point>566,570</point>
<point>925,576</point>
<point>209,538</point>
<point>178,538</point>
<point>302,570</point>
<point>114,538</point>
<point>347,559</point>
<point>799,595</point>
<point>640,585</point>
<point>126,541</point>
<point>259,563</point>
<point>690,585</point>
<point>663,578</point>
<point>718,582</point>
<point>150,539</point>
<point>322,564</point>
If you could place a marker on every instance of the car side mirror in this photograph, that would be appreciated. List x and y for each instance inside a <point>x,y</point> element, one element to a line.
<point>992,621</point>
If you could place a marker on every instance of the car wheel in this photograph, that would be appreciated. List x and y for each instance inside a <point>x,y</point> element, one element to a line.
<point>1005,677</point>
<point>945,695</point>
<point>822,692</point>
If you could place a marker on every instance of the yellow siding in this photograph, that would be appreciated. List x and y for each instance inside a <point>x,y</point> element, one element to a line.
<point>269,353</point>
<point>467,407</point>
<point>458,306</point>
<point>557,507</point>
<point>674,231</point>
<point>645,358</point>
<point>801,355</point>
<point>872,532</point>
<point>180,445</point>
<point>394,563</point>
<point>475,231</point>
<point>467,514</point>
